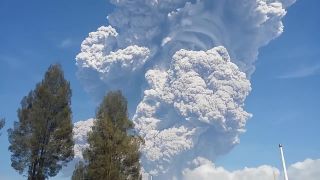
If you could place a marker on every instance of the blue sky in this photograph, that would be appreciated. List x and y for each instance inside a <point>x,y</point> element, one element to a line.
<point>285,86</point>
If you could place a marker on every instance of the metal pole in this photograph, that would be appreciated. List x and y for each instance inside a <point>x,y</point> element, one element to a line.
<point>283,163</point>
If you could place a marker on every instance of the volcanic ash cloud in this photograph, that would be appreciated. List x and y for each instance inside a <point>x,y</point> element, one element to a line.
<point>80,130</point>
<point>184,66</point>
<point>196,103</point>
<point>142,34</point>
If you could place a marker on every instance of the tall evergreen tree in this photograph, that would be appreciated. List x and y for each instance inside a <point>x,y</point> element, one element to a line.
<point>113,153</point>
<point>41,141</point>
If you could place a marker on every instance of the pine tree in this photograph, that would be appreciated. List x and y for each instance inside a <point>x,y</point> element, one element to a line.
<point>41,141</point>
<point>113,154</point>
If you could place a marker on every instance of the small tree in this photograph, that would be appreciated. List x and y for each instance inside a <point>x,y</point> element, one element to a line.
<point>113,153</point>
<point>41,141</point>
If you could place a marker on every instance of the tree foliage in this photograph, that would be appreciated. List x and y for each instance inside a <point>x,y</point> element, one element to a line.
<point>41,141</point>
<point>112,153</point>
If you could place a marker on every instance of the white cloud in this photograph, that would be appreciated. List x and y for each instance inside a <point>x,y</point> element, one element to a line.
<point>198,101</point>
<point>205,170</point>
<point>304,71</point>
<point>308,170</point>
<point>66,43</point>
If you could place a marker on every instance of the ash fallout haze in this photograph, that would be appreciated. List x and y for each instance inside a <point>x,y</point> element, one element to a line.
<point>213,86</point>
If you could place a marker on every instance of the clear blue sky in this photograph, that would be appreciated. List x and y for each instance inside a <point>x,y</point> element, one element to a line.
<point>285,100</point>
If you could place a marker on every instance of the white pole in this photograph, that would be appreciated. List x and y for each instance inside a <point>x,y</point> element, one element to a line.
<point>283,163</point>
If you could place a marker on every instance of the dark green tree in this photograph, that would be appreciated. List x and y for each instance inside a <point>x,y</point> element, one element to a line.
<point>2,123</point>
<point>113,153</point>
<point>41,141</point>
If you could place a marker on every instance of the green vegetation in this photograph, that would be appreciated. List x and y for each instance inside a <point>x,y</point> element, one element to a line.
<point>41,141</point>
<point>113,153</point>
